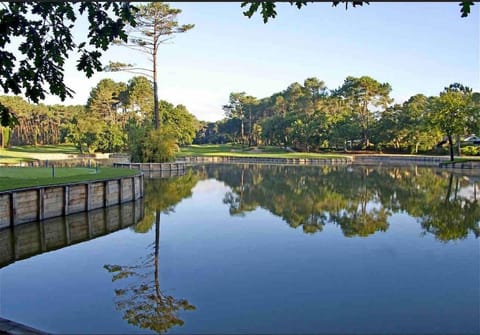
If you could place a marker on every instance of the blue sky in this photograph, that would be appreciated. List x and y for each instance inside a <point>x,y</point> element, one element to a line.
<point>416,47</point>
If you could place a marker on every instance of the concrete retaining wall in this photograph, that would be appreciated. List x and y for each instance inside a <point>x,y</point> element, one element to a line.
<point>39,203</point>
<point>462,165</point>
<point>399,160</point>
<point>26,240</point>
<point>265,160</point>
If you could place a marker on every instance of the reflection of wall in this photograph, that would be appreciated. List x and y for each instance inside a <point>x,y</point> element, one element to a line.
<point>145,167</point>
<point>164,174</point>
<point>26,240</point>
<point>38,203</point>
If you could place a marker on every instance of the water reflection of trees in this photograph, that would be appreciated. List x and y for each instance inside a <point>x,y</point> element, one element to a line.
<point>357,199</point>
<point>140,298</point>
<point>442,218</point>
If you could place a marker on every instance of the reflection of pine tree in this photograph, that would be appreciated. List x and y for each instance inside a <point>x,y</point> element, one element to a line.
<point>143,303</point>
<point>164,194</point>
<point>141,299</point>
<point>234,199</point>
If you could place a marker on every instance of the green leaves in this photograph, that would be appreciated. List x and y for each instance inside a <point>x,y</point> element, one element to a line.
<point>465,10</point>
<point>354,3</point>
<point>44,32</point>
<point>160,146</point>
<point>7,117</point>
<point>89,63</point>
<point>454,111</point>
<point>267,8</point>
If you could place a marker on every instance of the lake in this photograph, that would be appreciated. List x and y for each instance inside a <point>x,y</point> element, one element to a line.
<point>229,249</point>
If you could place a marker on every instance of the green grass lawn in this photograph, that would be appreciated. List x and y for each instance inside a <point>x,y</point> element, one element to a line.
<point>26,153</point>
<point>19,177</point>
<point>237,151</point>
<point>11,156</point>
<point>46,149</point>
<point>8,159</point>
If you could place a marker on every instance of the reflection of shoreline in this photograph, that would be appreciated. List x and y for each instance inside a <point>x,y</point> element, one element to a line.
<point>164,174</point>
<point>359,199</point>
<point>30,239</point>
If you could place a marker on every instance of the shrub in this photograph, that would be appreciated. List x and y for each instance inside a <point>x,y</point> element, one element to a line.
<point>471,151</point>
<point>136,141</point>
<point>160,146</point>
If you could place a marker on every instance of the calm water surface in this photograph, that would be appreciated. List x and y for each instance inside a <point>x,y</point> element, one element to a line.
<point>258,249</point>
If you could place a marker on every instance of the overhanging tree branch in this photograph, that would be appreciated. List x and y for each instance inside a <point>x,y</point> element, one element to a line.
<point>268,8</point>
<point>46,41</point>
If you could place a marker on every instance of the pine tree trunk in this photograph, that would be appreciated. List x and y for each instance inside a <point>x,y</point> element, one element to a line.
<point>156,112</point>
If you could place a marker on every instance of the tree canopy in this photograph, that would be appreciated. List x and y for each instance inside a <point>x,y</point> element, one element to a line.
<point>454,112</point>
<point>44,32</point>
<point>359,114</point>
<point>268,8</point>
<point>115,118</point>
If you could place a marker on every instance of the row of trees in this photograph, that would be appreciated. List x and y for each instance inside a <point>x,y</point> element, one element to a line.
<point>117,117</point>
<point>360,113</point>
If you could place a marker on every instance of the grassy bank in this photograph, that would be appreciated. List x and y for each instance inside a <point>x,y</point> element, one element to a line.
<point>19,177</point>
<point>31,153</point>
<point>236,150</point>
<point>44,149</point>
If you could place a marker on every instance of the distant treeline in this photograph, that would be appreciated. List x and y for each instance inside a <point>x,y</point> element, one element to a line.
<point>360,114</point>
